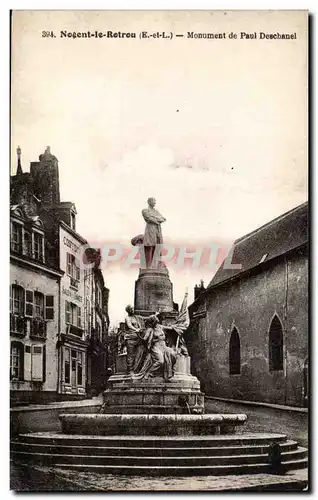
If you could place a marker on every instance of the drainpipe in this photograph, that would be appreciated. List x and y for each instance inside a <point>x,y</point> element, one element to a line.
<point>286,328</point>
<point>59,370</point>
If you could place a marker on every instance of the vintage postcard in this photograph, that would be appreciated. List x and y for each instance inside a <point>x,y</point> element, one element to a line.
<point>159,251</point>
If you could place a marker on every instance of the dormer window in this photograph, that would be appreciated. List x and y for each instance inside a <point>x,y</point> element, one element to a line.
<point>16,237</point>
<point>27,237</point>
<point>38,246</point>
<point>73,221</point>
<point>27,243</point>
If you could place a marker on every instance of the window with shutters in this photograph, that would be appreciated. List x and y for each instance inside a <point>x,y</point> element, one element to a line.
<point>17,299</point>
<point>49,307</point>
<point>73,268</point>
<point>39,305</point>
<point>29,303</point>
<point>17,361</point>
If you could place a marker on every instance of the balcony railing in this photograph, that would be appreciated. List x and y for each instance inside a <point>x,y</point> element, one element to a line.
<point>38,329</point>
<point>17,325</point>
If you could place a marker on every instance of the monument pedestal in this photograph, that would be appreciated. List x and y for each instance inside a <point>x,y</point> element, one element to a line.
<point>153,291</point>
<point>180,394</point>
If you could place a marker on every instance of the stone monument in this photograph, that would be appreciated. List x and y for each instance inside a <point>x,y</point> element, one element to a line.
<point>154,375</point>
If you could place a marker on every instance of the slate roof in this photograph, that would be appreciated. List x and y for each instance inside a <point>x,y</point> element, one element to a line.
<point>276,238</point>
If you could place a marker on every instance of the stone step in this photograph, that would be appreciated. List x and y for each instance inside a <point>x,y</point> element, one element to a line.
<point>154,424</point>
<point>146,451</point>
<point>55,438</point>
<point>181,470</point>
<point>153,461</point>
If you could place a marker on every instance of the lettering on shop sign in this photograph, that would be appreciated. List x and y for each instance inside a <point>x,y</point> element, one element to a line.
<point>68,243</point>
<point>72,294</point>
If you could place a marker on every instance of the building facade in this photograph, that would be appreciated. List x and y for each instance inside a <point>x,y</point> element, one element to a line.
<point>74,333</point>
<point>75,346</point>
<point>248,335</point>
<point>98,357</point>
<point>34,318</point>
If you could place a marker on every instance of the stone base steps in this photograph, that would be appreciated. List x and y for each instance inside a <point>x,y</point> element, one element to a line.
<point>127,451</point>
<point>151,424</point>
<point>217,470</point>
<point>181,456</point>
<point>154,461</point>
<point>150,409</point>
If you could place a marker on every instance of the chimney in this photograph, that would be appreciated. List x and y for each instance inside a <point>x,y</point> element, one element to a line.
<point>198,289</point>
<point>45,173</point>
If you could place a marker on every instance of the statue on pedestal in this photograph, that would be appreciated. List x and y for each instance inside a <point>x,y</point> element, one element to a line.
<point>153,234</point>
<point>152,347</point>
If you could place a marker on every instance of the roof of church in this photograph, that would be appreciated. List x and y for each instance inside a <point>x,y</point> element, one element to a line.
<point>276,238</point>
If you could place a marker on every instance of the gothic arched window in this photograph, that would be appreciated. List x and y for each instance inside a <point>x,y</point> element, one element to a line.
<point>235,353</point>
<point>276,345</point>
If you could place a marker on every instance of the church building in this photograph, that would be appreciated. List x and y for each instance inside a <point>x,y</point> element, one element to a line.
<point>248,336</point>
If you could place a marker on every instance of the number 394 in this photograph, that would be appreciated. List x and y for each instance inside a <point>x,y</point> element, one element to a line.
<point>46,34</point>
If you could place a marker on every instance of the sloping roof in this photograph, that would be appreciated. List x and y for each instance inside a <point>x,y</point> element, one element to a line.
<point>277,237</point>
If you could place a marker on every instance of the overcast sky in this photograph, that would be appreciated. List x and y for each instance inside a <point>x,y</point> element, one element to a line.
<point>215,130</point>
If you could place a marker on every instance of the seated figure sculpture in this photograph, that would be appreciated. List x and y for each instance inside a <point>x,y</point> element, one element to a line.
<point>156,346</point>
<point>134,325</point>
<point>153,356</point>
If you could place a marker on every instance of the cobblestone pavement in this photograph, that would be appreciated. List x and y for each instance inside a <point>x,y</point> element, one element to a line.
<point>263,419</point>
<point>39,478</point>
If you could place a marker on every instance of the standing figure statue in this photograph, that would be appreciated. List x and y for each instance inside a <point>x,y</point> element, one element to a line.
<point>153,234</point>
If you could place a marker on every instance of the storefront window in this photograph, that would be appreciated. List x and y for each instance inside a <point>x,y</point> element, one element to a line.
<point>79,368</point>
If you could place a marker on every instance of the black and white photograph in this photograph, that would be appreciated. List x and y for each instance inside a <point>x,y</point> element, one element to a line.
<point>159,246</point>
